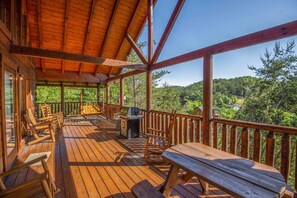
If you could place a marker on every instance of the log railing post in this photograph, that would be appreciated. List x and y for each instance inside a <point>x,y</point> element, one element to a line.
<point>107,99</point>
<point>62,99</point>
<point>207,98</point>
<point>98,93</point>
<point>121,92</point>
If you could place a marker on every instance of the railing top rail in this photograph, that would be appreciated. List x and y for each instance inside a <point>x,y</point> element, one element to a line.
<point>179,115</point>
<point>260,126</point>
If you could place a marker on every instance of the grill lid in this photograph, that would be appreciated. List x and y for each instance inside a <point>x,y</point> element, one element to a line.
<point>130,111</point>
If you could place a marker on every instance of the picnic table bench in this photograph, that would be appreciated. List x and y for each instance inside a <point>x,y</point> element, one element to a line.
<point>234,175</point>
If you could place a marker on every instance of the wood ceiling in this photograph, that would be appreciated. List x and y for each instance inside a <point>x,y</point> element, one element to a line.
<point>88,27</point>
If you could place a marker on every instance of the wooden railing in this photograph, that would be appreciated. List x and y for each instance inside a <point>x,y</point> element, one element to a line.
<point>268,144</point>
<point>71,108</point>
<point>186,129</point>
<point>110,110</point>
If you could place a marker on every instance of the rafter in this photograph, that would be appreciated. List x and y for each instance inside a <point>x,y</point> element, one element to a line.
<point>51,54</point>
<point>40,32</point>
<point>65,32</point>
<point>87,32</point>
<point>108,32</point>
<point>136,49</point>
<point>129,26</point>
<point>271,34</point>
<point>168,29</point>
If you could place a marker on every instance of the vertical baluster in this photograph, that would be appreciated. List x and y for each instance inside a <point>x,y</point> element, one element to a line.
<point>224,138</point>
<point>181,130</point>
<point>185,130</point>
<point>285,156</point>
<point>191,130</point>
<point>233,140</point>
<point>155,120</point>
<point>257,145</point>
<point>270,144</point>
<point>245,143</point>
<point>162,122</point>
<point>198,130</point>
<point>215,135</point>
<point>175,132</point>
<point>167,117</point>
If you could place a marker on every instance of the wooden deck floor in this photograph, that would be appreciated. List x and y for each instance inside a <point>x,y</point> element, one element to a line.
<point>89,159</point>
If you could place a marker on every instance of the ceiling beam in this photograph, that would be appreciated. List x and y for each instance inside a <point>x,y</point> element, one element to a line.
<point>65,33</point>
<point>136,49</point>
<point>40,32</point>
<point>58,84</point>
<point>271,34</point>
<point>51,54</point>
<point>56,76</point>
<point>168,29</point>
<point>87,32</point>
<point>112,18</point>
<point>131,73</point>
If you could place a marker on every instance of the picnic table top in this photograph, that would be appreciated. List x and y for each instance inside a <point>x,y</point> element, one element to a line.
<point>237,176</point>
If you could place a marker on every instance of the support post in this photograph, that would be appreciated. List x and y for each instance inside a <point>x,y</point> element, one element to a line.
<point>98,93</point>
<point>148,98</point>
<point>121,92</point>
<point>207,98</point>
<point>107,93</point>
<point>107,100</point>
<point>62,99</point>
<point>81,102</point>
<point>150,31</point>
<point>150,56</point>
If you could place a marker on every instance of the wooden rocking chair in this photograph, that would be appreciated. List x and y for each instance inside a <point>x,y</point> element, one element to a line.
<point>42,184</point>
<point>46,113</point>
<point>39,127</point>
<point>158,141</point>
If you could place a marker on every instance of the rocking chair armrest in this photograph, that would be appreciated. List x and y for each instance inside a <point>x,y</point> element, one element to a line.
<point>155,136</point>
<point>22,166</point>
<point>46,118</point>
<point>156,130</point>
<point>37,180</point>
<point>43,123</point>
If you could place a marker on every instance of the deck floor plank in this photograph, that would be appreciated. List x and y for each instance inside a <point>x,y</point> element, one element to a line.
<point>90,159</point>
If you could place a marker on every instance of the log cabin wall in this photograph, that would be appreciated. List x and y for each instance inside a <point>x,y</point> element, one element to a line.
<point>14,30</point>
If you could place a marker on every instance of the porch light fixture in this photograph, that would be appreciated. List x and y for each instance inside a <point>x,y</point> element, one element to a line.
<point>21,77</point>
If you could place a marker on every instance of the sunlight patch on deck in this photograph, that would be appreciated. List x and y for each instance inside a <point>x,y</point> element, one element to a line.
<point>33,156</point>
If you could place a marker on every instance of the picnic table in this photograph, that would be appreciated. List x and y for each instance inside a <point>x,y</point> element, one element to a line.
<point>234,175</point>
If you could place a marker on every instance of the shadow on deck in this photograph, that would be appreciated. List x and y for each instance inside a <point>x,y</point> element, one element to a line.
<point>90,159</point>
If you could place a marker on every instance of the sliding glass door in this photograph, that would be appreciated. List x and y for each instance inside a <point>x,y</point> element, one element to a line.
<point>10,135</point>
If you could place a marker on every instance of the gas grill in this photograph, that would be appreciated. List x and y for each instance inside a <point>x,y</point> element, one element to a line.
<point>130,122</point>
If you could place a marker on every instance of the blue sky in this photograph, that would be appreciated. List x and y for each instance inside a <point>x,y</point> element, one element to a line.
<point>206,22</point>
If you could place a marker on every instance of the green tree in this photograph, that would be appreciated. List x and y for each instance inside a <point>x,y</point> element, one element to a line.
<point>273,99</point>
